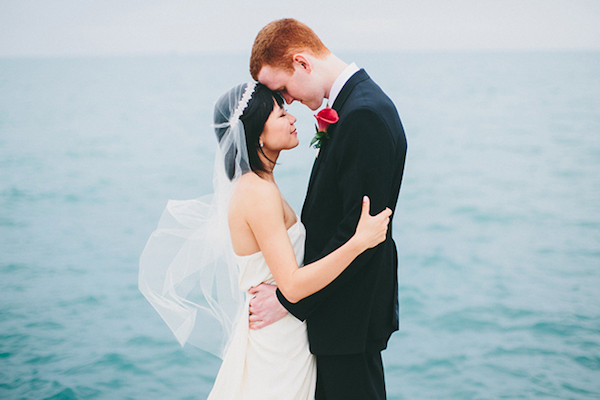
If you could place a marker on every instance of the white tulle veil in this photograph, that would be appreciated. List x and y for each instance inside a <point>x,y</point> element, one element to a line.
<point>187,269</point>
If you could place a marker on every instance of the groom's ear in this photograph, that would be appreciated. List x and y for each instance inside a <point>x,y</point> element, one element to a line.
<point>303,62</point>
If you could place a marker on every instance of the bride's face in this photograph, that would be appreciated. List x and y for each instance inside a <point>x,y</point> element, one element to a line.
<point>279,132</point>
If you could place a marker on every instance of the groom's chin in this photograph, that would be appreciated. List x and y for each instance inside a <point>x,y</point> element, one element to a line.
<point>315,104</point>
<point>313,107</point>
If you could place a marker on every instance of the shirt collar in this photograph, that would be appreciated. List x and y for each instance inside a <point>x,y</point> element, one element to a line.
<point>339,83</point>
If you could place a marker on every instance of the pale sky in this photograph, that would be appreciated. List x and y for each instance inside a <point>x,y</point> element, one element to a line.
<point>113,27</point>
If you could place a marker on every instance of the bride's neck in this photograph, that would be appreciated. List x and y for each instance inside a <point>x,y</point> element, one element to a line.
<point>266,175</point>
<point>269,164</point>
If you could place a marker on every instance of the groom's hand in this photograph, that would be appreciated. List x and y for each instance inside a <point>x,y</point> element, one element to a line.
<point>265,308</point>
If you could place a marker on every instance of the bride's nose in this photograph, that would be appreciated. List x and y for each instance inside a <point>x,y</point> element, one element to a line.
<point>292,119</point>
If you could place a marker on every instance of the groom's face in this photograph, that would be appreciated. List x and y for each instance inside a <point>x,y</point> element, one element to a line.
<point>296,86</point>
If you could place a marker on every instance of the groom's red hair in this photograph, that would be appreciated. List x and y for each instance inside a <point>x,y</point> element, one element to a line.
<point>276,44</point>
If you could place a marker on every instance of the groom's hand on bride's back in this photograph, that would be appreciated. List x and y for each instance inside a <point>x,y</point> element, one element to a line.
<point>265,308</point>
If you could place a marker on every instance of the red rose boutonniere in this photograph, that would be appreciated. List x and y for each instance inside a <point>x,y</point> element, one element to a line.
<point>325,117</point>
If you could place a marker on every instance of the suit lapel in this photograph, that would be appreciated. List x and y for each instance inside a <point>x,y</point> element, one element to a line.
<point>354,80</point>
<point>338,105</point>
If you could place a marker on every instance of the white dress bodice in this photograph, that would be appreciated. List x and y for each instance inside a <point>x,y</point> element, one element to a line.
<point>272,363</point>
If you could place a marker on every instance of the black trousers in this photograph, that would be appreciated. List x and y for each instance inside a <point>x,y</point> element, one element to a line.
<point>350,377</point>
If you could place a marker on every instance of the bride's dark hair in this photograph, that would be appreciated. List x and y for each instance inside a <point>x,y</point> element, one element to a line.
<point>254,118</point>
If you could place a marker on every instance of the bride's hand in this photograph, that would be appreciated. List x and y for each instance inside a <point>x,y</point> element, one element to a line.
<point>371,230</point>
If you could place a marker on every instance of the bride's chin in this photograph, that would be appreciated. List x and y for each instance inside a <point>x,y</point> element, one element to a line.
<point>292,145</point>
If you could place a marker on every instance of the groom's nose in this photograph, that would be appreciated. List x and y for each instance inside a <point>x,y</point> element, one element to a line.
<point>288,99</point>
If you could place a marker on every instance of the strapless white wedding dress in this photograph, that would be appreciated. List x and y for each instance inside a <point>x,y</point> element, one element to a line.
<point>272,363</point>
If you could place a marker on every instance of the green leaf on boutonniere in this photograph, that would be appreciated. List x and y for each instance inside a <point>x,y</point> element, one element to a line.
<point>317,141</point>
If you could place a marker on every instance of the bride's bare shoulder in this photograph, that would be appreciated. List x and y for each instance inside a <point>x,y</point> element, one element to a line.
<point>252,191</point>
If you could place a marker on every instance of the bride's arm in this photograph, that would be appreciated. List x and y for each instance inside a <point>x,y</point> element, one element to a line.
<point>268,225</point>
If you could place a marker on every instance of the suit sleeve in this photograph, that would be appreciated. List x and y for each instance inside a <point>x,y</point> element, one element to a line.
<point>364,160</point>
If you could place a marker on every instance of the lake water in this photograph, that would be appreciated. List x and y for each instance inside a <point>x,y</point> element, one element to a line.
<point>497,226</point>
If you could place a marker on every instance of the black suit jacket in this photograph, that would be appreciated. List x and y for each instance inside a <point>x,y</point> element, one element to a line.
<point>364,156</point>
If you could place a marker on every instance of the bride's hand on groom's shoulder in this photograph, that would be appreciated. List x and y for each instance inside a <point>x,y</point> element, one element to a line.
<point>264,308</point>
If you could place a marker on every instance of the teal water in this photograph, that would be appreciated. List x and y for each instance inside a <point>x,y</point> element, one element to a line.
<point>498,223</point>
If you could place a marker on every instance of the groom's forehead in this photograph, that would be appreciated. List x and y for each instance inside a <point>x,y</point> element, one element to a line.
<point>273,78</point>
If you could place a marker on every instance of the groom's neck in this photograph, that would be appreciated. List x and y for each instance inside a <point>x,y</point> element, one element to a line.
<point>331,68</point>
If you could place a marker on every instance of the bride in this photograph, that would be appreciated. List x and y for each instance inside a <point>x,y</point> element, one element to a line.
<point>207,253</point>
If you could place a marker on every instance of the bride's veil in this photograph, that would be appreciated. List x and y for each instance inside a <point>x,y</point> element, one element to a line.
<point>187,269</point>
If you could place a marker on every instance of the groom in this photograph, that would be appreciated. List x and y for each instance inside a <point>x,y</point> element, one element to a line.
<point>350,321</point>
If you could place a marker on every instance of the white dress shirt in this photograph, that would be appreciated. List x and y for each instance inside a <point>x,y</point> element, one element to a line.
<point>339,83</point>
